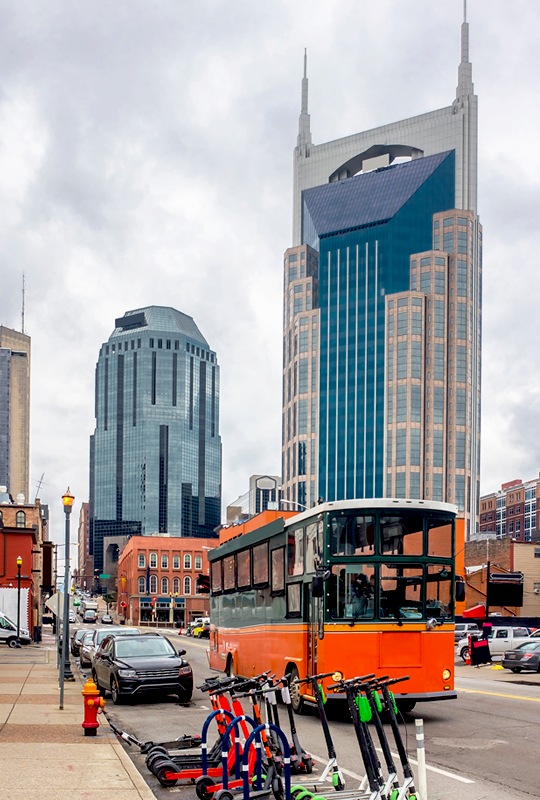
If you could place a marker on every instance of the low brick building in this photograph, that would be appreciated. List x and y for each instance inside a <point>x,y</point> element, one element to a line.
<point>167,568</point>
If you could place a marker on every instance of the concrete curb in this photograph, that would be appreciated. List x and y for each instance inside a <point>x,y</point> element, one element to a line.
<point>136,778</point>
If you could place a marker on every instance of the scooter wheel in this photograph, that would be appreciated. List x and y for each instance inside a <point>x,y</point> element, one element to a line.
<point>163,769</point>
<point>153,761</point>
<point>202,784</point>
<point>309,765</point>
<point>395,794</point>
<point>277,789</point>
<point>224,794</point>
<point>299,792</point>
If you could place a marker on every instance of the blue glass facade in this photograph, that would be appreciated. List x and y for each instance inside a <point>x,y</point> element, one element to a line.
<point>366,229</point>
<point>155,455</point>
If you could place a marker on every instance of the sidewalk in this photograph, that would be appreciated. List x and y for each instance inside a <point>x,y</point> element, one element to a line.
<point>494,672</point>
<point>43,751</point>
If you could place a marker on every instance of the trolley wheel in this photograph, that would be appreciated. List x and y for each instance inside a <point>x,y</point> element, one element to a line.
<point>201,784</point>
<point>405,706</point>
<point>296,699</point>
<point>278,789</point>
<point>162,769</point>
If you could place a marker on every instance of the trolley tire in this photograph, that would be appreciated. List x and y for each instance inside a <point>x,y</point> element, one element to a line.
<point>162,769</point>
<point>405,706</point>
<point>297,702</point>
<point>200,787</point>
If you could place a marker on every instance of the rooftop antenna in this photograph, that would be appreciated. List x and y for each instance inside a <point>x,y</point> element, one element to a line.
<point>464,10</point>
<point>39,486</point>
<point>23,297</point>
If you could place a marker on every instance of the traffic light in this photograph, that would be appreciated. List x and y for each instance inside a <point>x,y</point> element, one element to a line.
<point>203,584</point>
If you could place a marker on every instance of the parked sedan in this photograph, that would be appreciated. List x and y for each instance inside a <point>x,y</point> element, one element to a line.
<point>76,640</point>
<point>84,647</point>
<point>129,666</point>
<point>525,656</point>
<point>97,637</point>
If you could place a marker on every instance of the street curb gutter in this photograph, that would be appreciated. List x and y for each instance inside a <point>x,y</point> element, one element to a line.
<point>136,778</point>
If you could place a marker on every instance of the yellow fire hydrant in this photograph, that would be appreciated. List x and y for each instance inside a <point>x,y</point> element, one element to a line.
<point>93,705</point>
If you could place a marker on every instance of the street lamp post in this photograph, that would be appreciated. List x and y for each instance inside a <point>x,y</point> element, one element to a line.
<point>65,667</point>
<point>19,565</point>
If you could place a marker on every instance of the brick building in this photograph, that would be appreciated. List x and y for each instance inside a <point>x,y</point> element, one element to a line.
<point>167,568</point>
<point>512,510</point>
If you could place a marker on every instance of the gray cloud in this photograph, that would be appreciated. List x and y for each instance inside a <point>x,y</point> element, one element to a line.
<point>145,155</point>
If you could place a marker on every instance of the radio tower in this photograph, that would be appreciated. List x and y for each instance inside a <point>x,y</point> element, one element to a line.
<point>23,297</point>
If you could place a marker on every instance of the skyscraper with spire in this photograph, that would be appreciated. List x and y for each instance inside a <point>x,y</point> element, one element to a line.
<point>382,310</point>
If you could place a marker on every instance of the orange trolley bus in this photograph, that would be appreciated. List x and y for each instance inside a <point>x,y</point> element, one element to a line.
<point>355,586</point>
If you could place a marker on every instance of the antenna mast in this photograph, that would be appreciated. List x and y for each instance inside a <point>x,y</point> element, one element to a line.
<point>23,298</point>
<point>39,486</point>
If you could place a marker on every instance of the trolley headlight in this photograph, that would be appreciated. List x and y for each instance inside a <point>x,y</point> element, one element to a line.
<point>337,676</point>
<point>446,675</point>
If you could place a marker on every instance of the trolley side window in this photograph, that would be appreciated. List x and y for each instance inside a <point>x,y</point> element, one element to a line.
<point>352,535</point>
<point>243,569</point>
<point>278,571</point>
<point>215,573</point>
<point>402,535</point>
<point>313,546</point>
<point>440,535</point>
<point>294,600</point>
<point>260,565</point>
<point>295,552</point>
<point>228,574</point>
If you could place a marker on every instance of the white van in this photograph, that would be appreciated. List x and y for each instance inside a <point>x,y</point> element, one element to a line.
<point>8,632</point>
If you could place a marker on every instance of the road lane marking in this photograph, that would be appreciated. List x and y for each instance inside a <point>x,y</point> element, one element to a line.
<point>499,694</point>
<point>356,777</point>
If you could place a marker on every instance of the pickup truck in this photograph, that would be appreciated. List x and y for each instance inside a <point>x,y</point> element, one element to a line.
<point>502,638</point>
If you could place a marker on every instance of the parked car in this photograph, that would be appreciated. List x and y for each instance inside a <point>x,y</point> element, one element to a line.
<point>202,631</point>
<point>84,645</point>
<point>72,617</point>
<point>129,666</point>
<point>8,632</point>
<point>76,640</point>
<point>524,656</point>
<point>464,629</point>
<point>97,637</point>
<point>501,638</point>
<point>90,615</point>
<point>106,619</point>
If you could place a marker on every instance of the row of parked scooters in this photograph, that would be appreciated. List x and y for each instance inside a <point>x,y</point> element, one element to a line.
<point>252,757</point>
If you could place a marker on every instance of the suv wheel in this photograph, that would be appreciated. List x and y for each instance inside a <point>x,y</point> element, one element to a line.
<point>115,692</point>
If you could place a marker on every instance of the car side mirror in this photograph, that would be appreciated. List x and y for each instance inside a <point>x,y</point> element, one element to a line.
<point>182,652</point>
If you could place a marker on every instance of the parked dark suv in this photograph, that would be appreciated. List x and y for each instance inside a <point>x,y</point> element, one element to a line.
<point>129,666</point>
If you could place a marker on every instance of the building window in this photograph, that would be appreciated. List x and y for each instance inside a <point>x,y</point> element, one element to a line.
<point>176,585</point>
<point>142,586</point>
<point>20,519</point>
<point>164,561</point>
<point>142,561</point>
<point>176,562</point>
<point>198,562</point>
<point>187,585</point>
<point>164,586</point>
<point>153,584</point>
<point>153,560</point>
<point>187,562</point>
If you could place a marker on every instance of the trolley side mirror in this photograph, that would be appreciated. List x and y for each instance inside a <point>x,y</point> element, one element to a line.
<point>317,586</point>
<point>460,589</point>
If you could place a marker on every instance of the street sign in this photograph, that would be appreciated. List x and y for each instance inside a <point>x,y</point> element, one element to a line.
<point>104,577</point>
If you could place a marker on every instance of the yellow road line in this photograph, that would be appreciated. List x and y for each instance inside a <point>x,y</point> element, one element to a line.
<point>499,694</point>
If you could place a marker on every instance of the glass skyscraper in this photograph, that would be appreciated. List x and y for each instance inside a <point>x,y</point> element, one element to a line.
<point>382,310</point>
<point>155,455</point>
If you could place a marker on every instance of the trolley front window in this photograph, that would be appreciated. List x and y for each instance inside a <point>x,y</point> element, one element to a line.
<point>352,535</point>
<point>351,592</point>
<point>439,591</point>
<point>401,593</point>
<point>402,535</point>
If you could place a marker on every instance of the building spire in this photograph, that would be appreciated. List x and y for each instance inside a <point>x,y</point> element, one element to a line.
<point>304,133</point>
<point>465,84</point>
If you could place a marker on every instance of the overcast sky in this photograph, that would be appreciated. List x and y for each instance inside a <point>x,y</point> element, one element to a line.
<point>146,158</point>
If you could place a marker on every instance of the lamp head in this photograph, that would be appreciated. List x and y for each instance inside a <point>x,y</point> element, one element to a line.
<point>19,562</point>
<point>68,500</point>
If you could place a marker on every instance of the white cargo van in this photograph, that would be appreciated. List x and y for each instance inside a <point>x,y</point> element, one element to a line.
<point>8,632</point>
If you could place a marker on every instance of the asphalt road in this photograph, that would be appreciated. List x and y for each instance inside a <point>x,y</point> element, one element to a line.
<point>485,744</point>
